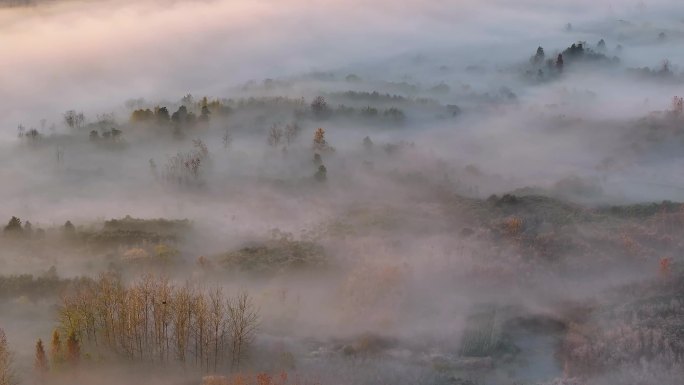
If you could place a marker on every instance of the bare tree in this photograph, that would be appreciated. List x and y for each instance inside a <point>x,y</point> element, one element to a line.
<point>73,119</point>
<point>291,132</point>
<point>40,364</point>
<point>217,322</point>
<point>227,139</point>
<point>243,321</point>
<point>275,134</point>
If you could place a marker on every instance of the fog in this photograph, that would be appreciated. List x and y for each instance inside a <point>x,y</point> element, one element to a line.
<point>341,192</point>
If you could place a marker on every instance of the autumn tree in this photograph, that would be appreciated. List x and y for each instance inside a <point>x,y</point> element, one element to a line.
<point>142,115</point>
<point>40,363</point>
<point>153,321</point>
<point>319,142</point>
<point>56,348</point>
<point>7,376</point>
<point>73,350</point>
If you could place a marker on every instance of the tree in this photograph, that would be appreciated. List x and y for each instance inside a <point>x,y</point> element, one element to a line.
<point>367,143</point>
<point>559,62</point>
<point>56,348</point>
<point>275,134</point>
<point>227,138</point>
<point>205,114</point>
<point>162,115</point>
<point>28,228</point>
<point>73,119</point>
<point>322,174</point>
<point>243,321</point>
<point>7,376</point>
<point>601,46</point>
<point>319,142</point>
<point>678,105</point>
<point>181,115</point>
<point>73,350</point>
<point>538,57</point>
<point>40,363</point>
<point>319,107</point>
<point>69,228</point>
<point>13,226</point>
<point>291,132</point>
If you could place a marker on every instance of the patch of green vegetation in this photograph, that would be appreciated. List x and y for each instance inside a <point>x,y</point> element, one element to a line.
<point>276,255</point>
<point>134,231</point>
<point>642,210</point>
<point>159,226</point>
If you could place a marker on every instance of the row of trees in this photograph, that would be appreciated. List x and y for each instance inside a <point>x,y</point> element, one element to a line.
<point>15,228</point>
<point>321,110</point>
<point>154,321</point>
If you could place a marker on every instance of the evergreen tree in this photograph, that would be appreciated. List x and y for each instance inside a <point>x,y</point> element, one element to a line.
<point>13,226</point>
<point>559,62</point>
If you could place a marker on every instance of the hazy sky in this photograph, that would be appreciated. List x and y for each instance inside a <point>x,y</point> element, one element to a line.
<point>95,55</point>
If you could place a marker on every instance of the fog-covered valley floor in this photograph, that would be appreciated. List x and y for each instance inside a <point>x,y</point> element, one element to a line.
<point>341,192</point>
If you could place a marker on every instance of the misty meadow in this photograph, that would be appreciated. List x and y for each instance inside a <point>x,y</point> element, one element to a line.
<point>236,192</point>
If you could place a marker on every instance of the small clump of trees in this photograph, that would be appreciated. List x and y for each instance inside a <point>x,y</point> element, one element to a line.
<point>185,168</point>
<point>154,321</point>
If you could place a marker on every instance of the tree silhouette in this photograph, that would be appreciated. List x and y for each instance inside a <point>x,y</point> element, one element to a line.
<point>367,143</point>
<point>322,174</point>
<point>73,119</point>
<point>205,114</point>
<point>601,46</point>
<point>275,134</point>
<point>319,107</point>
<point>559,62</point>
<point>162,115</point>
<point>13,226</point>
<point>538,57</point>
<point>40,363</point>
<point>69,228</point>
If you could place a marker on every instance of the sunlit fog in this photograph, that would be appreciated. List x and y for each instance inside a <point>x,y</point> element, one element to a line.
<point>262,192</point>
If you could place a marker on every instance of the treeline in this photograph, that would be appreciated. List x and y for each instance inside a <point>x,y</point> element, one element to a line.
<point>154,321</point>
<point>35,287</point>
